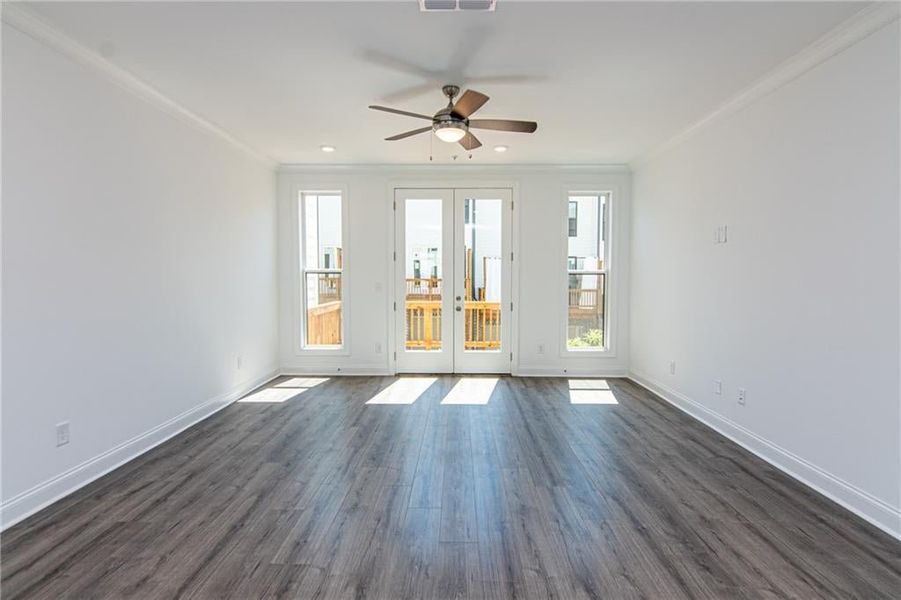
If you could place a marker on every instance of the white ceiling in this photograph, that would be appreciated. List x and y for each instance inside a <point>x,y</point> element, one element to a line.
<point>607,81</point>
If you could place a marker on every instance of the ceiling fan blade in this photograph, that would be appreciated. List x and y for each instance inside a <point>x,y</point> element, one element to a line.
<point>400,112</point>
<point>504,125</point>
<point>407,134</point>
<point>468,103</point>
<point>469,141</point>
<point>408,93</point>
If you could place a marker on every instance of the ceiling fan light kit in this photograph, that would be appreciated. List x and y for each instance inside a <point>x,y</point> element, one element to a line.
<point>450,132</point>
<point>452,124</point>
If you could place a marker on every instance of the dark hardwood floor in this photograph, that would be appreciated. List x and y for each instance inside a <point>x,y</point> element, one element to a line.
<point>322,495</point>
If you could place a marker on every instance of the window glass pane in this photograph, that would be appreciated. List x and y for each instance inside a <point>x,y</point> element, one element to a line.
<point>321,249</point>
<point>482,275</point>
<point>588,242</point>
<point>573,218</point>
<point>322,231</point>
<point>323,291</point>
<point>585,328</point>
<point>422,263</point>
<point>586,283</point>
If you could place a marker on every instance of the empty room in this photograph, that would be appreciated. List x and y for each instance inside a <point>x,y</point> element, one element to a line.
<point>450,299</point>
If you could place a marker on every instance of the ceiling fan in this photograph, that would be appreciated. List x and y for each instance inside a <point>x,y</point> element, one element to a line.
<point>452,123</point>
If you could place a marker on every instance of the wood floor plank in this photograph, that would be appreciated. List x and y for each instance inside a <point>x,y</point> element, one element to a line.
<point>319,495</point>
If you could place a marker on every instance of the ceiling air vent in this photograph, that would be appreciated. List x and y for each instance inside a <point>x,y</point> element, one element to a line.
<point>454,5</point>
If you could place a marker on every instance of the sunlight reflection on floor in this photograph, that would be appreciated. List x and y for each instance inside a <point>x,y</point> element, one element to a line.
<point>283,390</point>
<point>471,390</point>
<point>405,390</point>
<point>590,391</point>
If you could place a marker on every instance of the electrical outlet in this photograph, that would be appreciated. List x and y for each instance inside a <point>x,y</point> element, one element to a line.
<point>719,234</point>
<point>378,348</point>
<point>717,387</point>
<point>62,434</point>
<point>741,396</point>
<point>239,362</point>
<point>672,367</point>
<point>540,348</point>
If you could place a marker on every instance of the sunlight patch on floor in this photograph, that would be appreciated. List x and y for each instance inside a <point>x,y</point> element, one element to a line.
<point>471,390</point>
<point>405,390</point>
<point>301,382</point>
<point>590,391</point>
<point>283,390</point>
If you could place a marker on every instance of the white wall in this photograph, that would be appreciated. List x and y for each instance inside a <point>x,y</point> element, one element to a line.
<point>138,263</point>
<point>540,246</point>
<point>801,305</point>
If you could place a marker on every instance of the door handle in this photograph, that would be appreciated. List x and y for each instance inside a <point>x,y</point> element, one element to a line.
<point>459,309</point>
<point>458,298</point>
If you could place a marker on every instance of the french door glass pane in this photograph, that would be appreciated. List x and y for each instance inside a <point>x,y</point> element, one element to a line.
<point>482,274</point>
<point>424,277</point>
<point>323,292</point>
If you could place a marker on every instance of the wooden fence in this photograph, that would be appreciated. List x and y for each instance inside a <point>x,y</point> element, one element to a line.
<point>324,324</point>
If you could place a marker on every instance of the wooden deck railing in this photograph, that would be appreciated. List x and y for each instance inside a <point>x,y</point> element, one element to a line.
<point>329,289</point>
<point>423,324</point>
<point>424,288</point>
<point>585,298</point>
<point>482,325</point>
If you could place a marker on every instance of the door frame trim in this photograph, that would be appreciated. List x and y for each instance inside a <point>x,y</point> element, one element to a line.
<point>439,183</point>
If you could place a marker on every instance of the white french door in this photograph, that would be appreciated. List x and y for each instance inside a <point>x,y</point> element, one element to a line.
<point>453,280</point>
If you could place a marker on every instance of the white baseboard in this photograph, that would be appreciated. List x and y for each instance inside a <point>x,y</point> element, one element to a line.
<point>44,494</point>
<point>545,372</point>
<point>382,372</point>
<point>865,505</point>
<point>335,371</point>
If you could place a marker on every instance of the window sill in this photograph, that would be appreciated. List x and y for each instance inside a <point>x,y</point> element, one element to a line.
<point>587,353</point>
<point>322,351</point>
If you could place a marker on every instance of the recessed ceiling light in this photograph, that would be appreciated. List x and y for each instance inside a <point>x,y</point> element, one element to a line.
<point>327,148</point>
<point>501,148</point>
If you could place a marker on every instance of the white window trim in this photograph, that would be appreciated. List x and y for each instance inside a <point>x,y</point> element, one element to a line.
<point>610,295</point>
<point>299,322</point>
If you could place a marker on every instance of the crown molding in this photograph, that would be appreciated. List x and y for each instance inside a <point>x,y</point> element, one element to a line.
<point>394,168</point>
<point>24,21</point>
<point>860,25</point>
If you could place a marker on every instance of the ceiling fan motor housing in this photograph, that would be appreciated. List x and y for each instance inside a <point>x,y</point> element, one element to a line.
<point>446,119</point>
<point>451,91</point>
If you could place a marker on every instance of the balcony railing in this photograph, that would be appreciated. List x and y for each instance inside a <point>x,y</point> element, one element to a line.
<point>329,288</point>
<point>482,319</point>
<point>424,288</point>
<point>481,327</point>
